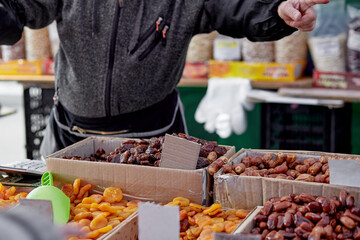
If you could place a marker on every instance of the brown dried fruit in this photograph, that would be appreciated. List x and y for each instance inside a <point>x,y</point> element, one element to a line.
<point>309,161</point>
<point>306,198</point>
<point>239,168</point>
<point>272,221</point>
<point>305,177</point>
<point>282,206</point>
<point>315,169</point>
<point>313,217</point>
<point>288,219</point>
<point>348,222</point>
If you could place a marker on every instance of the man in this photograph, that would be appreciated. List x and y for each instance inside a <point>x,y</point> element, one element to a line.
<point>120,60</point>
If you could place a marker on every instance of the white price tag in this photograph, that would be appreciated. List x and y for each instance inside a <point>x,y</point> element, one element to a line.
<point>345,172</point>
<point>158,222</point>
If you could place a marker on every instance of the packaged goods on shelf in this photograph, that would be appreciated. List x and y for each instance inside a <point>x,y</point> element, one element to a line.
<point>150,183</point>
<point>353,46</point>
<point>332,215</point>
<point>200,47</point>
<point>270,71</point>
<point>261,52</point>
<point>38,44</point>
<point>195,70</point>
<point>227,48</point>
<point>14,52</point>
<point>293,49</point>
<point>336,80</point>
<point>21,67</point>
<point>327,41</point>
<point>254,186</point>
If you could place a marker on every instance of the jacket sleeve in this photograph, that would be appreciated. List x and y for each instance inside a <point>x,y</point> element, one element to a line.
<point>39,13</point>
<point>11,25</point>
<point>257,20</point>
<point>15,14</point>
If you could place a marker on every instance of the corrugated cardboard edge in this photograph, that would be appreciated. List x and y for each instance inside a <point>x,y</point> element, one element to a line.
<point>248,223</point>
<point>137,182</point>
<point>126,230</point>
<point>91,170</point>
<point>248,192</point>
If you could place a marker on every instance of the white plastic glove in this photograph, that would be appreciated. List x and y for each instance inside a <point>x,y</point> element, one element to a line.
<point>222,108</point>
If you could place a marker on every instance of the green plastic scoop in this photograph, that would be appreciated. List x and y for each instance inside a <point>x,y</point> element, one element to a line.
<point>60,202</point>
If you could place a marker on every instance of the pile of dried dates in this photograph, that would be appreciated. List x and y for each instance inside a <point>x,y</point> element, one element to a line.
<point>282,166</point>
<point>148,152</point>
<point>307,217</point>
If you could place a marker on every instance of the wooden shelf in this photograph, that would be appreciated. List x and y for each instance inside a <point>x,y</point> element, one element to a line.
<point>184,82</point>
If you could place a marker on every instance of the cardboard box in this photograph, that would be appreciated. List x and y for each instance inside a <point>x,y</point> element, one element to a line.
<point>248,192</point>
<point>334,80</point>
<point>138,182</point>
<point>248,224</point>
<point>257,71</point>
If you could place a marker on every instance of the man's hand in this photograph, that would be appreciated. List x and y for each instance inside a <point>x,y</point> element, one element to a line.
<point>300,13</point>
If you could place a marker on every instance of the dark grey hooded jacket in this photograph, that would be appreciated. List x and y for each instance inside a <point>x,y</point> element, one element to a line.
<point>119,58</point>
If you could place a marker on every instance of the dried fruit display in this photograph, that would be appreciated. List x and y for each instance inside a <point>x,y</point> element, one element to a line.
<point>96,214</point>
<point>148,152</point>
<point>307,217</point>
<point>199,222</point>
<point>9,197</point>
<point>282,166</point>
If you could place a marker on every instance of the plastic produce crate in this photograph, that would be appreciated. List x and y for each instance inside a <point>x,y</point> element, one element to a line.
<point>304,127</point>
<point>37,103</point>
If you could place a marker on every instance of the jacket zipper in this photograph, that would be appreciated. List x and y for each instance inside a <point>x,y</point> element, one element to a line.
<point>112,58</point>
<point>155,26</point>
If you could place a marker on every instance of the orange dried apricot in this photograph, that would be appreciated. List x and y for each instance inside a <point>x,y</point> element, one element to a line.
<point>84,222</point>
<point>83,191</point>
<point>83,215</point>
<point>76,186</point>
<point>112,195</point>
<point>68,190</point>
<point>88,200</point>
<point>241,213</point>
<point>107,208</point>
<point>218,227</point>
<point>97,197</point>
<point>98,222</point>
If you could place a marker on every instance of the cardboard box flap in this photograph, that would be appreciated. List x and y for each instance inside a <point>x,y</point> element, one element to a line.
<point>138,182</point>
<point>230,191</point>
<point>179,153</point>
<point>248,223</point>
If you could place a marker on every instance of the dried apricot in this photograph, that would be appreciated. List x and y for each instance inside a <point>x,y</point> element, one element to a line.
<point>83,191</point>
<point>76,186</point>
<point>83,215</point>
<point>133,203</point>
<point>112,195</point>
<point>98,222</point>
<point>98,198</point>
<point>68,190</point>
<point>84,222</point>
<point>88,200</point>
<point>107,208</point>
<point>241,213</point>
<point>114,223</point>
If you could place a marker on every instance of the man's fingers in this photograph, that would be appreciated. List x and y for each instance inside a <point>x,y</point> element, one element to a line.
<point>307,19</point>
<point>311,3</point>
<point>288,12</point>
